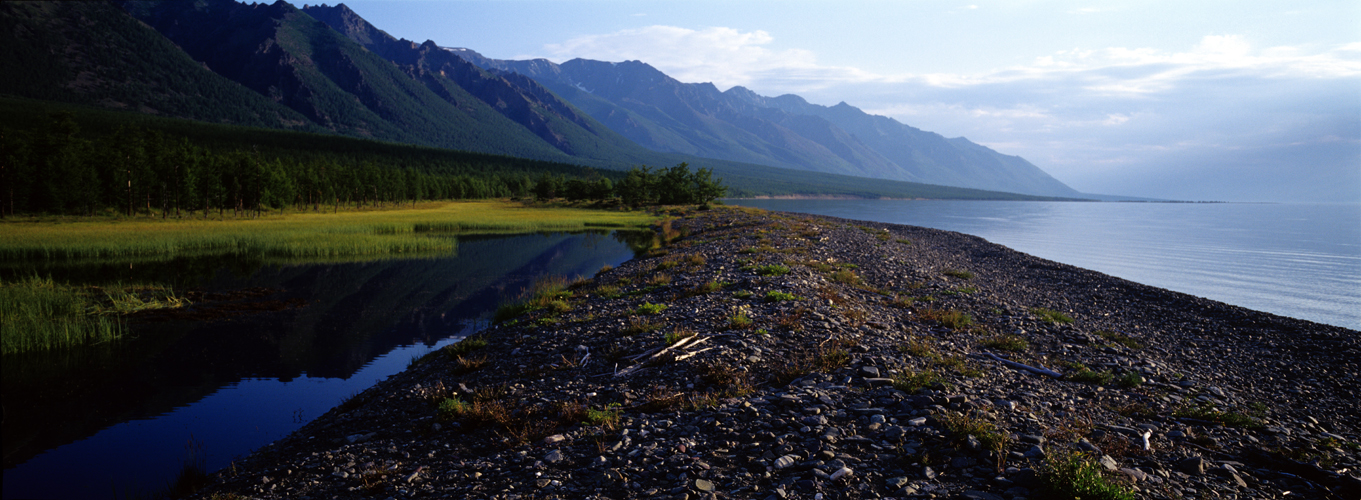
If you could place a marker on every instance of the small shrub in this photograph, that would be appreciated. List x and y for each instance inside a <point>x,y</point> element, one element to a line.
<point>661,279</point>
<point>1207,411</point>
<point>678,335</point>
<point>962,425</point>
<point>772,270</point>
<point>650,308</point>
<point>1087,376</point>
<point>638,324</point>
<point>710,287</point>
<point>778,296</point>
<point>959,274</point>
<point>1130,380</point>
<point>902,301</point>
<point>912,381</point>
<point>604,269</point>
<point>1051,315</point>
<point>695,259</point>
<point>1120,338</point>
<point>845,276</point>
<point>667,264</point>
<point>952,318</point>
<point>1014,343</point>
<point>607,417</point>
<point>739,321</point>
<point>1073,476</point>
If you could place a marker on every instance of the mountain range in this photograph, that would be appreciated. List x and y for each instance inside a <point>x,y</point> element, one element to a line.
<point>325,69</point>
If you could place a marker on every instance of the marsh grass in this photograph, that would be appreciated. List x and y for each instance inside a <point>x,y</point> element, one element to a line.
<point>38,314</point>
<point>549,293</point>
<point>293,237</point>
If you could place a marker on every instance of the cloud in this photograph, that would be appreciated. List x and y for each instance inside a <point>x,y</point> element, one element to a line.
<point>1101,119</point>
<point>724,56</point>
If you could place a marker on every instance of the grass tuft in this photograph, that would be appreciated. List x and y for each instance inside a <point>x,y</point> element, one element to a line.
<point>1051,315</point>
<point>1074,476</point>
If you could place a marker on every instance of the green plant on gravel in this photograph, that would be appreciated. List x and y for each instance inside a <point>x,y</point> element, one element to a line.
<point>951,318</point>
<point>911,381</point>
<point>1014,343</point>
<point>962,425</point>
<point>679,335</point>
<point>739,320</point>
<point>1076,476</point>
<point>1051,315</point>
<point>772,270</point>
<point>961,274</point>
<point>607,417</point>
<point>638,324</point>
<point>845,276</point>
<point>778,296</point>
<point>650,308</point>
<point>1129,380</point>
<point>1088,376</point>
<point>1120,338</point>
<point>546,293</point>
<point>1208,411</point>
<point>742,294</point>
<point>704,288</point>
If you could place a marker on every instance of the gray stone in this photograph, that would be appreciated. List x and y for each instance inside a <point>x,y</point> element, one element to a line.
<point>896,482</point>
<point>869,371</point>
<point>554,439</point>
<point>1135,475</point>
<point>978,495</point>
<point>553,456</point>
<point>1035,452</point>
<point>929,473</point>
<point>917,422</point>
<point>785,461</point>
<point>1194,466</point>
<point>704,485</point>
<point>1108,462</point>
<point>840,473</point>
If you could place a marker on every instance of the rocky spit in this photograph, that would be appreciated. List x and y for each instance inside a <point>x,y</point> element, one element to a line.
<point>775,355</point>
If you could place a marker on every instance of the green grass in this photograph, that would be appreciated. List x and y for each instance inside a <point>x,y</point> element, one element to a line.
<point>1014,343</point>
<point>912,381</point>
<point>1088,376</point>
<point>772,270</point>
<point>548,293</point>
<point>1207,411</point>
<point>951,318</point>
<point>778,296</point>
<point>1074,476</point>
<point>962,425</point>
<point>679,335</point>
<point>1120,338</point>
<point>845,276</point>
<point>959,274</point>
<point>650,308</point>
<point>37,314</point>
<point>294,236</point>
<point>1051,315</point>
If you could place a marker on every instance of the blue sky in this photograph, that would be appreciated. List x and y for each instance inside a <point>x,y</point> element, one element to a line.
<point>1204,100</point>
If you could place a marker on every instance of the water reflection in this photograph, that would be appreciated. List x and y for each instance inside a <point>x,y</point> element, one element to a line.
<point>236,384</point>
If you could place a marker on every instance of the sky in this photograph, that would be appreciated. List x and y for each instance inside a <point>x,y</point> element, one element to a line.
<point>1204,100</point>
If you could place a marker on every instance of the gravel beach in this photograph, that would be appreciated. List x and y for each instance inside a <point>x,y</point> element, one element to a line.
<point>775,355</point>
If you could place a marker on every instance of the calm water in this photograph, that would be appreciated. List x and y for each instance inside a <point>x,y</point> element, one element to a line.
<point>1297,260</point>
<point>121,420</point>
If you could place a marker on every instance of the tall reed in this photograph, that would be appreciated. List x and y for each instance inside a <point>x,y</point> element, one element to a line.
<point>38,314</point>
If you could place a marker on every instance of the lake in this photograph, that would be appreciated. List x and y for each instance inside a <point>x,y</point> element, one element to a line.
<point>121,420</point>
<point>1296,260</point>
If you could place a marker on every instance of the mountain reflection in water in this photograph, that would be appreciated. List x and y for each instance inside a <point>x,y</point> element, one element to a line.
<point>311,335</point>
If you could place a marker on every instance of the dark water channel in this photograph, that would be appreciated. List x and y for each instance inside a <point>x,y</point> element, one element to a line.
<point>121,420</point>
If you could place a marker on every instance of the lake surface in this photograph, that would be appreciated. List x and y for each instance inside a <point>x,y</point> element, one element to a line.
<point>120,420</point>
<point>1296,260</point>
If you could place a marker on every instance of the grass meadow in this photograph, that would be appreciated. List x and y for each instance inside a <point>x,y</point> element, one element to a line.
<point>39,314</point>
<point>295,236</point>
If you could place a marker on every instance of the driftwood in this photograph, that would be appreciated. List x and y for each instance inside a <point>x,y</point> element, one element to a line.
<point>643,358</point>
<point>1019,366</point>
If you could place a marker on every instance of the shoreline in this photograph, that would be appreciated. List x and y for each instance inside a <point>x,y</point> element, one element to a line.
<point>799,355</point>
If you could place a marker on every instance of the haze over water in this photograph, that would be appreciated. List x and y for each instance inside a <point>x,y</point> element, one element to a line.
<point>1296,260</point>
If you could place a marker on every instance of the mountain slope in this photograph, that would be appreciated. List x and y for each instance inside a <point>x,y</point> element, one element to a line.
<point>514,96</point>
<point>928,156</point>
<point>286,55</point>
<point>663,114</point>
<point>95,54</point>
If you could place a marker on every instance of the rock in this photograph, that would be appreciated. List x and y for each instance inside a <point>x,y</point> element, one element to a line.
<point>840,473</point>
<point>896,482</point>
<point>1035,452</point>
<point>1135,475</point>
<point>978,495</point>
<point>1108,462</point>
<point>1194,466</point>
<point>554,439</point>
<point>704,485</point>
<point>553,456</point>
<point>785,461</point>
<point>929,473</point>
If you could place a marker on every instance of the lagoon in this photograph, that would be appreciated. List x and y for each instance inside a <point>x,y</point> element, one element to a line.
<point>121,419</point>
<point>1296,260</point>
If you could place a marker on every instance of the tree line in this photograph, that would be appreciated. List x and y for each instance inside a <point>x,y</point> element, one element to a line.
<point>138,171</point>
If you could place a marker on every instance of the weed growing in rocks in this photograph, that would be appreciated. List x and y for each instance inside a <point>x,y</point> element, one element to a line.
<point>661,279</point>
<point>1207,411</point>
<point>961,274</point>
<point>639,325</point>
<point>607,417</point>
<point>1130,380</point>
<point>778,296</point>
<point>705,288</point>
<point>1088,376</point>
<point>911,381</point>
<point>650,308</point>
<point>1051,315</point>
<point>547,293</point>
<point>1074,476</point>
<point>1120,338</point>
<point>845,276</point>
<point>951,318</point>
<point>679,335</point>
<point>740,320</point>
<point>772,270</point>
<point>963,425</point>
<point>1014,343</point>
